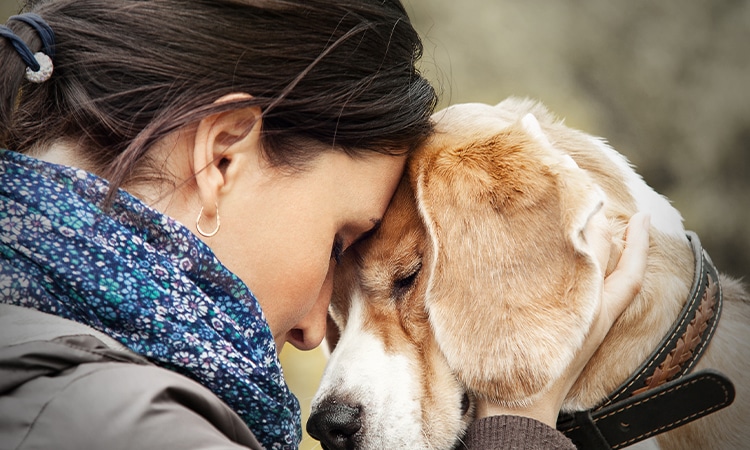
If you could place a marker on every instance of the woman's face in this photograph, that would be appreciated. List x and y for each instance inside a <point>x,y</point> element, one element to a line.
<point>280,232</point>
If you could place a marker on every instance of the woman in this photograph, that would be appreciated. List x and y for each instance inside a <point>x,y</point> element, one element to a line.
<point>184,177</point>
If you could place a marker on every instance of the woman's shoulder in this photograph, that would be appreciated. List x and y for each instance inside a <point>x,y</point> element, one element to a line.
<point>144,406</point>
<point>74,391</point>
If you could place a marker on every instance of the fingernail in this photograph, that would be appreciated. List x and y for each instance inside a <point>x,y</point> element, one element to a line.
<point>646,220</point>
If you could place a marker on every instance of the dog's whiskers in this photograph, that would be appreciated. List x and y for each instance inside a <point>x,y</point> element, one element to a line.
<point>461,441</point>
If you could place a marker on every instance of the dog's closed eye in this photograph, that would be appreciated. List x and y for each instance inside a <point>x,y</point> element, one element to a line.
<point>402,284</point>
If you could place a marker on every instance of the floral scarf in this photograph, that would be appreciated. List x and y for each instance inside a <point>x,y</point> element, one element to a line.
<point>143,279</point>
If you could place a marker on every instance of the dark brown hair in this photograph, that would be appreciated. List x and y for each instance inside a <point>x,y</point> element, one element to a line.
<point>130,72</point>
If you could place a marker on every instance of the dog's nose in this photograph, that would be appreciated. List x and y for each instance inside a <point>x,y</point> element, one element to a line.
<point>335,425</point>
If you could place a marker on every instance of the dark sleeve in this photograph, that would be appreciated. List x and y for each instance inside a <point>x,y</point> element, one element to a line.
<point>514,432</point>
<point>129,406</point>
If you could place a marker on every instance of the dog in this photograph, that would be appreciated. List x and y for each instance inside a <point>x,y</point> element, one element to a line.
<point>480,270</point>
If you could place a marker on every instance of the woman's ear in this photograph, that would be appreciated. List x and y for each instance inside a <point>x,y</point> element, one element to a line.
<point>221,140</point>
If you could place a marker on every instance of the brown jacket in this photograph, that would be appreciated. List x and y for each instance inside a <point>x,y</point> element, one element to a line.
<point>65,386</point>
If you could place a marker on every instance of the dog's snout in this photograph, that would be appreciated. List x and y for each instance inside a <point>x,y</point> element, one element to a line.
<point>335,425</point>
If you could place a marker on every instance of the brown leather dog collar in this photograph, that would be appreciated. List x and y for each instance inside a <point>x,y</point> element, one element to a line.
<point>662,394</point>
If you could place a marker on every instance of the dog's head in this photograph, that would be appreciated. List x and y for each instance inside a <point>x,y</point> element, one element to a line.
<point>511,281</point>
<point>479,282</point>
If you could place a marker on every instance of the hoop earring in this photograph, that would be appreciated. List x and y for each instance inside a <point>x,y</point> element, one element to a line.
<point>198,223</point>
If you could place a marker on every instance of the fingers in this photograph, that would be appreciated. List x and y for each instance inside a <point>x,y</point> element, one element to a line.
<point>620,289</point>
<point>598,234</point>
<point>624,283</point>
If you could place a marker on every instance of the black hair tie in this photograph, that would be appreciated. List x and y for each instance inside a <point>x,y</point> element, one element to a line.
<point>42,28</point>
<point>38,66</point>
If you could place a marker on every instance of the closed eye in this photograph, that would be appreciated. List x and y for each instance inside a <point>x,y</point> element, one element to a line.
<point>402,285</point>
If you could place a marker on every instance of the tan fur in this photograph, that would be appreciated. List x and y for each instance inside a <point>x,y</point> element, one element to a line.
<point>498,183</point>
<point>494,213</point>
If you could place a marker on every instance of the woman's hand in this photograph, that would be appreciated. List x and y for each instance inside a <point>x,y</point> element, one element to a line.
<point>620,288</point>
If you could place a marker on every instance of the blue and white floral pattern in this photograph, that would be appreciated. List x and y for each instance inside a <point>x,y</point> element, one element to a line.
<point>144,279</point>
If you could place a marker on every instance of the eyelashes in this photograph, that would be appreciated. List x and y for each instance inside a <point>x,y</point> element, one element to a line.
<point>338,249</point>
<point>404,284</point>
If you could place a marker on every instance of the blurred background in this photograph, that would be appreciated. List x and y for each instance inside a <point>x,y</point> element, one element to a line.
<point>665,82</point>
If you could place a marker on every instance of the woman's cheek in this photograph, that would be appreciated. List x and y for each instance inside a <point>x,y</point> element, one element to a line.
<point>300,291</point>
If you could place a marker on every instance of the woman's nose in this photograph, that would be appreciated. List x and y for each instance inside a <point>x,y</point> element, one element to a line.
<point>311,329</point>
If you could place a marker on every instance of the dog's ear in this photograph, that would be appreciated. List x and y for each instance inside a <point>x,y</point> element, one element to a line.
<point>512,285</point>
